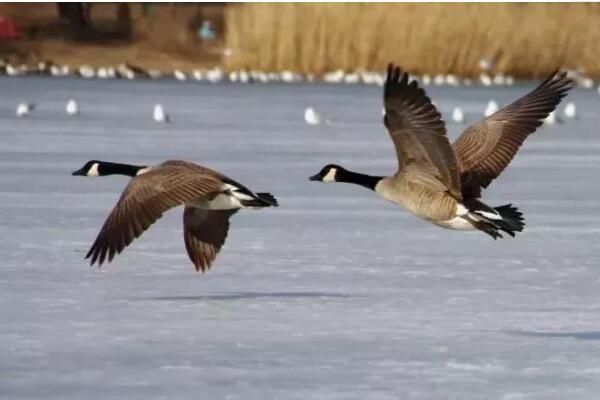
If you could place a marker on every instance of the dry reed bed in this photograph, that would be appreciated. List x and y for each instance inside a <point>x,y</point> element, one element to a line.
<point>532,38</point>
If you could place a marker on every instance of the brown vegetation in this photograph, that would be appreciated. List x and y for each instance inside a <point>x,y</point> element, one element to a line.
<point>531,38</point>
<point>528,39</point>
<point>157,36</point>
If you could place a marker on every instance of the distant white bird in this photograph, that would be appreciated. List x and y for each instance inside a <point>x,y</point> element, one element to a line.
<point>86,71</point>
<point>155,74</point>
<point>14,71</point>
<point>452,80</point>
<point>111,72</point>
<point>106,72</point>
<point>491,108</point>
<point>125,72</point>
<point>426,80</point>
<point>56,70</point>
<point>499,79</point>
<point>24,109</point>
<point>311,116</point>
<point>586,82</point>
<point>179,75</point>
<point>260,76</point>
<point>352,78</point>
<point>334,77</point>
<point>439,80</point>
<point>42,67</point>
<point>72,107</point>
<point>160,115</point>
<point>129,74</point>
<point>368,78</point>
<point>214,75</point>
<point>289,76</point>
<point>244,77</point>
<point>198,75</point>
<point>102,73</point>
<point>485,79</point>
<point>458,115</point>
<point>570,110</point>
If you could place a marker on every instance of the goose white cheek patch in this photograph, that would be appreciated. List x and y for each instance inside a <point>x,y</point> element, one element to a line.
<point>330,176</point>
<point>142,171</point>
<point>93,171</point>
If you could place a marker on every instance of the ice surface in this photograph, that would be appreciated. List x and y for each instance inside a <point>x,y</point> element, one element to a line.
<point>334,295</point>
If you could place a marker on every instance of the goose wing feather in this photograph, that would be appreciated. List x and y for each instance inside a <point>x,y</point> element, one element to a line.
<point>204,233</point>
<point>486,148</point>
<point>418,131</point>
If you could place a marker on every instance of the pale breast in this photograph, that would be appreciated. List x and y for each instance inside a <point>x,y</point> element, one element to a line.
<point>432,205</point>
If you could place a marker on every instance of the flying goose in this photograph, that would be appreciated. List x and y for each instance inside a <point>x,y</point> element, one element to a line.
<point>210,199</point>
<point>442,183</point>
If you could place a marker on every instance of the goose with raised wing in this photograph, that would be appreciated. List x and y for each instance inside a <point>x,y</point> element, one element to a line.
<point>210,199</point>
<point>442,182</point>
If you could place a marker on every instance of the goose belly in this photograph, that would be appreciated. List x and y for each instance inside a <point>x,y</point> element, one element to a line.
<point>423,202</point>
<point>433,208</point>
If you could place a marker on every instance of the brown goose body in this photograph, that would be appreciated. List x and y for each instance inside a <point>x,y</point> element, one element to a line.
<point>440,182</point>
<point>210,199</point>
<point>421,200</point>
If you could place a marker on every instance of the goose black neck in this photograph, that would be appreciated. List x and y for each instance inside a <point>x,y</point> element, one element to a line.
<point>110,168</point>
<point>367,181</point>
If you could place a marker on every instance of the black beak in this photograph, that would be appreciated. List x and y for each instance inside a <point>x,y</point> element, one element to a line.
<point>79,172</point>
<point>315,178</point>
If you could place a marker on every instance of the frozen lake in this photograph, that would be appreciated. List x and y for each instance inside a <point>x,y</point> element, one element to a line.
<point>334,295</point>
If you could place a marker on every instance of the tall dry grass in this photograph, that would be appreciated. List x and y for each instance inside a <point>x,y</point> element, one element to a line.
<point>531,38</point>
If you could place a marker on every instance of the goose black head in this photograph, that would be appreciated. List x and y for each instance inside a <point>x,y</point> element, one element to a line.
<point>91,168</point>
<point>103,168</point>
<point>329,173</point>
